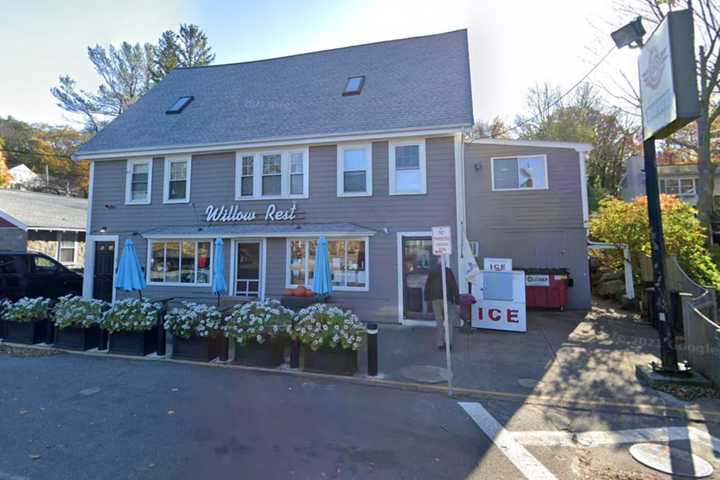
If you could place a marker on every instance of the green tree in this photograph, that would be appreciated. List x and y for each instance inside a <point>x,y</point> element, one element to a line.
<point>125,74</point>
<point>187,48</point>
<point>583,117</point>
<point>622,222</point>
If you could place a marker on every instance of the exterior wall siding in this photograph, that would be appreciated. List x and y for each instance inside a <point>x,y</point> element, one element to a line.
<point>12,238</point>
<point>213,182</point>
<point>536,228</point>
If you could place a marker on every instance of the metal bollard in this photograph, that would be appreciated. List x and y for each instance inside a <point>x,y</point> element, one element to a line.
<point>372,349</point>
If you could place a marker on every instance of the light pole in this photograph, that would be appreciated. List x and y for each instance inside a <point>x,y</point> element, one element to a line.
<point>668,105</point>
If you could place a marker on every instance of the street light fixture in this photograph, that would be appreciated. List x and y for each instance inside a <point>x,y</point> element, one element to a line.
<point>631,35</point>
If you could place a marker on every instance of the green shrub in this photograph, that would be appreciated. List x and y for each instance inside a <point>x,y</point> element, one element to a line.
<point>627,222</point>
<point>72,311</point>
<point>27,309</point>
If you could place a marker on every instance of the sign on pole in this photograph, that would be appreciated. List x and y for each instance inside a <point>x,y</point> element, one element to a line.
<point>442,241</point>
<point>442,246</point>
<point>668,80</point>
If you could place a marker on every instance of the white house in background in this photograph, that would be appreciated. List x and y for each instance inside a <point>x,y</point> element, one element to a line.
<point>22,178</point>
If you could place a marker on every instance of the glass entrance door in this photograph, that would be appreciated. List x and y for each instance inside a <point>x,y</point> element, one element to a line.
<point>247,276</point>
<point>417,261</point>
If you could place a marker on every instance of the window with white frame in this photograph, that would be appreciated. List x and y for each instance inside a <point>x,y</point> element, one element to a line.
<point>179,262</point>
<point>67,247</point>
<point>520,173</point>
<point>408,168</point>
<point>269,175</point>
<point>177,179</point>
<point>138,181</point>
<point>347,257</point>
<point>354,170</point>
<point>682,187</point>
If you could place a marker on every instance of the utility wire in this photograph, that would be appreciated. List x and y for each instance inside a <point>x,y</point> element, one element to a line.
<point>561,97</point>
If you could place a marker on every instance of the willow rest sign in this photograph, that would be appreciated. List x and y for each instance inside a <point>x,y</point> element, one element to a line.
<point>234,213</point>
<point>668,79</point>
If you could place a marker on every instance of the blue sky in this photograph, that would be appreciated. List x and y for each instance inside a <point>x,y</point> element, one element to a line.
<point>513,43</point>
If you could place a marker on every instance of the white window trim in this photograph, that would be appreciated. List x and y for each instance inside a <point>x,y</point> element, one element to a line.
<point>58,253</point>
<point>284,176</point>
<point>166,178</point>
<point>148,255</point>
<point>422,164</point>
<point>519,189</point>
<point>679,180</point>
<point>308,284</point>
<point>128,181</point>
<point>340,170</point>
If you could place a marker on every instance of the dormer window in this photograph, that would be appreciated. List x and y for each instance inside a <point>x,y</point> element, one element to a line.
<point>354,85</point>
<point>179,105</point>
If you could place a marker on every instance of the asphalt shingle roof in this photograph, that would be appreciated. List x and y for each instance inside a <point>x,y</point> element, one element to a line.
<point>44,211</point>
<point>420,82</point>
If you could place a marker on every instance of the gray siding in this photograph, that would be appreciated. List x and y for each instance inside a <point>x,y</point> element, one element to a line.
<point>536,228</point>
<point>12,238</point>
<point>213,183</point>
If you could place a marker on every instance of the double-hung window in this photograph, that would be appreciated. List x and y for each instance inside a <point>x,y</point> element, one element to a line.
<point>270,175</point>
<point>177,179</point>
<point>354,170</point>
<point>519,173</point>
<point>67,247</point>
<point>408,168</point>
<point>138,181</point>
<point>348,260</point>
<point>179,262</point>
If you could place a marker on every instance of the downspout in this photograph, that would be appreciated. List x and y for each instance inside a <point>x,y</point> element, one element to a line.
<point>460,206</point>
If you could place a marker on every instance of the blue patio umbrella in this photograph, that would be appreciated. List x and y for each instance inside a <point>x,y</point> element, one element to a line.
<point>218,280</point>
<point>130,276</point>
<point>322,279</point>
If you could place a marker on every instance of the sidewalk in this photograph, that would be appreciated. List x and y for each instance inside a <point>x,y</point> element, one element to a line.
<point>574,356</point>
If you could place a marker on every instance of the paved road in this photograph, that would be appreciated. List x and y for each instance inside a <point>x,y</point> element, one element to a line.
<point>76,417</point>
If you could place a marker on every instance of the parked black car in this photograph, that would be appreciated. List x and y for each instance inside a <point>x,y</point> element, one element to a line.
<point>35,275</point>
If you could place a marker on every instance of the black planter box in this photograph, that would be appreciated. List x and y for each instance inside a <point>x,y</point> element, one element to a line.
<point>27,332</point>
<point>134,343</point>
<point>269,354</point>
<point>202,349</point>
<point>336,361</point>
<point>78,338</point>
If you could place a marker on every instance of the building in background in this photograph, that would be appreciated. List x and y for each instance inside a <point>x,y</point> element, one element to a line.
<point>41,222</point>
<point>22,178</point>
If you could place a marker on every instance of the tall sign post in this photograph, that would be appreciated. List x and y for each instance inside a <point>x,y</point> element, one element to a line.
<point>669,101</point>
<point>442,247</point>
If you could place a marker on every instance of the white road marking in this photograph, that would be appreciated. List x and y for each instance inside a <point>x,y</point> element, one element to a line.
<point>523,460</point>
<point>602,438</point>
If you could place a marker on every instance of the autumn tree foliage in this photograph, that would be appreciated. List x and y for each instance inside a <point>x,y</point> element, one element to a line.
<point>621,222</point>
<point>4,173</point>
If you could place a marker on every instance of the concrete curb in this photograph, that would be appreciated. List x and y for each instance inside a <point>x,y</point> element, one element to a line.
<point>686,413</point>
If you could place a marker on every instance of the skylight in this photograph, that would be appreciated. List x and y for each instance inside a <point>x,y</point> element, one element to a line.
<point>354,85</point>
<point>179,105</point>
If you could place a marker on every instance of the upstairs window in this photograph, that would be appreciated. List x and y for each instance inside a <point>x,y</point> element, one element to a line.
<point>271,175</point>
<point>354,85</point>
<point>177,179</point>
<point>682,187</point>
<point>520,173</point>
<point>407,168</point>
<point>138,181</point>
<point>179,105</point>
<point>354,170</point>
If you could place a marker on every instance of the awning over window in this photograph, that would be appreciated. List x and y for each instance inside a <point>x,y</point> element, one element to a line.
<point>281,230</point>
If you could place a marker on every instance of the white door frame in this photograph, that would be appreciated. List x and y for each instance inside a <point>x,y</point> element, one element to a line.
<point>263,263</point>
<point>89,270</point>
<point>401,296</point>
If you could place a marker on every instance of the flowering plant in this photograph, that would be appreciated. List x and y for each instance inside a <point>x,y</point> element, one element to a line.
<point>257,320</point>
<point>131,315</point>
<point>323,325</point>
<point>72,311</point>
<point>27,309</point>
<point>193,319</point>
